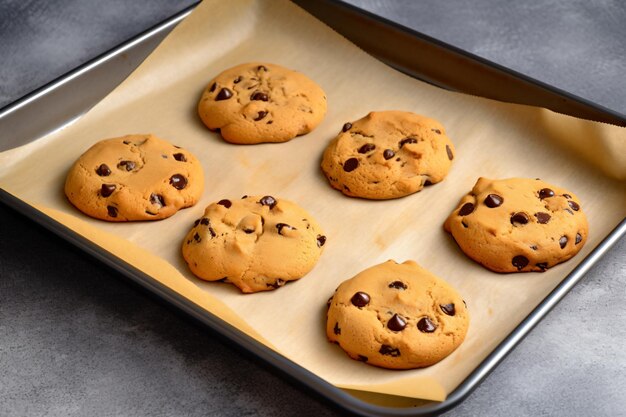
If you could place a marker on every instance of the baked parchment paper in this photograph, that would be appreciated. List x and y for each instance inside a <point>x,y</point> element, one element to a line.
<point>492,139</point>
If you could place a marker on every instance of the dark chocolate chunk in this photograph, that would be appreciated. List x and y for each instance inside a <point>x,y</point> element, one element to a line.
<point>178,181</point>
<point>493,201</point>
<point>225,203</point>
<point>427,183</point>
<point>468,208</point>
<point>563,241</point>
<point>346,127</point>
<point>388,154</point>
<point>237,80</point>
<point>196,222</point>
<point>567,196</point>
<point>112,211</point>
<point>360,299</point>
<point>281,226</point>
<point>248,231</point>
<point>398,285</point>
<point>368,147</point>
<point>542,218</point>
<point>363,358</point>
<point>197,237</point>
<point>269,201</point>
<point>336,329</point>
<point>542,265</point>
<point>259,95</point>
<point>534,247</point>
<point>573,205</point>
<point>180,157</point>
<point>350,165</point>
<point>212,87</point>
<point>519,218</point>
<point>389,351</point>
<point>213,234</point>
<point>128,165</point>
<point>426,326</point>
<point>519,262</point>
<point>545,193</point>
<point>205,221</point>
<point>406,141</point>
<point>449,152</point>
<point>107,189</point>
<point>448,309</point>
<point>244,197</point>
<point>321,239</point>
<point>157,199</point>
<point>396,323</point>
<point>260,115</point>
<point>103,170</point>
<point>579,238</point>
<point>224,94</point>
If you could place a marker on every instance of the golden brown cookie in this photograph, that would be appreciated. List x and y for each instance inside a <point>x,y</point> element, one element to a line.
<point>397,316</point>
<point>134,177</point>
<point>260,102</point>
<point>257,243</point>
<point>388,154</point>
<point>518,224</point>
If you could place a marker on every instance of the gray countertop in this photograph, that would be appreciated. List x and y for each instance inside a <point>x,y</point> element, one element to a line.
<point>77,338</point>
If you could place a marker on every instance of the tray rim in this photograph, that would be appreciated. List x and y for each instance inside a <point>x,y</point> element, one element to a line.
<point>286,367</point>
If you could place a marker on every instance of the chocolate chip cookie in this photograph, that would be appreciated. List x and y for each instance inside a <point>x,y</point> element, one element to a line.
<point>134,177</point>
<point>397,316</point>
<point>388,154</point>
<point>257,243</point>
<point>260,102</point>
<point>518,224</point>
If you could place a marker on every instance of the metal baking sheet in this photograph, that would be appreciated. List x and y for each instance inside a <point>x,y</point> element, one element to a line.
<point>17,118</point>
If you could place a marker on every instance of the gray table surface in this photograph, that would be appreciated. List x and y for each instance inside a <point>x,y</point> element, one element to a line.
<point>77,338</point>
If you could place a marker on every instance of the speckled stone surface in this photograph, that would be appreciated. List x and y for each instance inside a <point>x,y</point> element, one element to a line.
<point>77,338</point>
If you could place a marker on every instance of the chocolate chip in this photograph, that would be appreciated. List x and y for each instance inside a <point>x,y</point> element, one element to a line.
<point>178,181</point>
<point>281,226</point>
<point>259,95</point>
<point>157,200</point>
<point>128,165</point>
<point>103,170</point>
<point>205,221</point>
<point>427,183</point>
<point>244,197</point>
<point>425,325</point>
<point>213,234</point>
<point>519,262</point>
<point>464,224</point>
<point>449,152</point>
<point>567,196</point>
<point>406,141</point>
<point>448,309</point>
<point>248,231</point>
<point>346,127</point>
<point>542,218</point>
<point>468,208</point>
<point>321,239</point>
<point>563,241</point>
<point>398,285</point>
<point>268,200</point>
<point>107,189</point>
<point>520,218</point>
<point>224,94</point>
<point>112,211</point>
<point>493,200</point>
<point>196,222</point>
<point>573,205</point>
<point>237,80</point>
<point>180,157</point>
<point>262,68</point>
<point>336,329</point>
<point>389,351</point>
<point>542,265</point>
<point>368,147</point>
<point>388,154</point>
<point>212,87</point>
<point>437,131</point>
<point>360,299</point>
<point>396,323</point>
<point>350,164</point>
<point>126,142</point>
<point>579,238</point>
<point>260,116</point>
<point>363,358</point>
<point>545,193</point>
<point>276,284</point>
<point>225,203</point>
<point>534,247</point>
<point>197,237</point>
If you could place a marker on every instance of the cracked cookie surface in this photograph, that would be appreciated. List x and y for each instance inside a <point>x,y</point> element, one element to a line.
<point>518,224</point>
<point>397,316</point>
<point>257,243</point>
<point>261,102</point>
<point>134,177</point>
<point>388,154</point>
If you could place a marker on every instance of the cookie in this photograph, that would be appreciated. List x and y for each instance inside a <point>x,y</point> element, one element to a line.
<point>134,177</point>
<point>257,243</point>
<point>388,154</point>
<point>518,224</point>
<point>260,102</point>
<point>397,316</point>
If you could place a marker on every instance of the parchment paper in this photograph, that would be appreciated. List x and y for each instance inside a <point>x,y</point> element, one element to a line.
<point>492,139</point>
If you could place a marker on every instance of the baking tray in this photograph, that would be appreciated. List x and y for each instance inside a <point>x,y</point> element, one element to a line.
<point>62,106</point>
